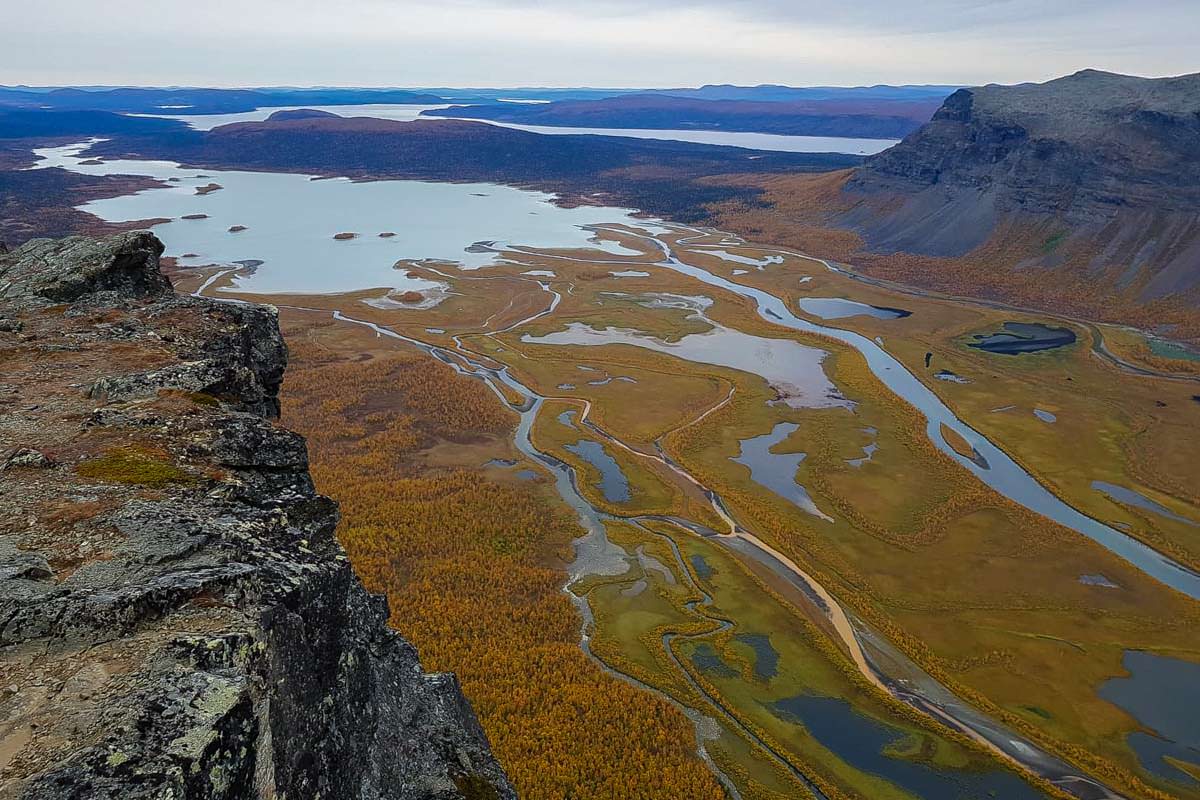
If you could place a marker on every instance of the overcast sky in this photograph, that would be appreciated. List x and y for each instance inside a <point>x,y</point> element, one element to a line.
<point>643,43</point>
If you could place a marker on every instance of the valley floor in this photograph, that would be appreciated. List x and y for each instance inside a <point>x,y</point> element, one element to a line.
<point>782,569</point>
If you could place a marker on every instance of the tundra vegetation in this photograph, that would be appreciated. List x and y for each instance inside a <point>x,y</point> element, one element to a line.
<point>983,594</point>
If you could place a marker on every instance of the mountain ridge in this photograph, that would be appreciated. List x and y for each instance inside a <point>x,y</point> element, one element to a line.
<point>1106,167</point>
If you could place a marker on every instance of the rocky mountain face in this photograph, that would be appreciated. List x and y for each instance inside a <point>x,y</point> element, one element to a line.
<point>1095,172</point>
<point>177,619</point>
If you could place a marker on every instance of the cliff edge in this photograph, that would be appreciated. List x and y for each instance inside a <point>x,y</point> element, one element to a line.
<point>177,619</point>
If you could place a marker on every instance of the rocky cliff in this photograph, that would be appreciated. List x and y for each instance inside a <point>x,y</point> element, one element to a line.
<point>1095,172</point>
<point>177,619</point>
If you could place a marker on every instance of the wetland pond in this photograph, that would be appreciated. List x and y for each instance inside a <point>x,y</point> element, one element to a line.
<point>867,744</point>
<point>792,369</point>
<point>777,471</point>
<point>613,484</point>
<point>840,308</point>
<point>1121,494</point>
<point>1163,695</point>
<point>1023,337</point>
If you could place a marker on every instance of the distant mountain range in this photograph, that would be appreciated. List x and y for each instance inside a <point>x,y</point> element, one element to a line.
<point>883,112</point>
<point>794,94</point>
<point>197,101</point>
<point>848,113</point>
<point>1081,194</point>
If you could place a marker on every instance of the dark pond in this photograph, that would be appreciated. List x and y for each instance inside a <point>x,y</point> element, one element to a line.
<point>613,484</point>
<point>1163,694</point>
<point>1024,337</point>
<point>861,742</point>
<point>709,661</point>
<point>766,657</point>
<point>701,566</point>
<point>501,462</point>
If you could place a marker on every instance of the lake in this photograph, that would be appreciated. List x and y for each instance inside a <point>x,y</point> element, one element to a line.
<point>290,222</point>
<point>408,113</point>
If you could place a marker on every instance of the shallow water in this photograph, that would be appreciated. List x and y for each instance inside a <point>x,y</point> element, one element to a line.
<point>709,661</point>
<point>950,377</point>
<point>1130,497</point>
<point>792,369</point>
<point>291,221</point>
<point>613,484</point>
<point>503,463</point>
<point>840,308</point>
<point>737,258</point>
<point>861,741</point>
<point>777,471</point>
<point>766,657</point>
<point>1163,694</point>
<point>1097,580</point>
<point>701,566</point>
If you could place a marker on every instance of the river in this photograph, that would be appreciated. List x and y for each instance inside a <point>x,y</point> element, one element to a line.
<point>596,555</point>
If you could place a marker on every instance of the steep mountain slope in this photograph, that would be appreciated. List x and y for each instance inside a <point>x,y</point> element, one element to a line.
<point>1095,173</point>
<point>176,617</point>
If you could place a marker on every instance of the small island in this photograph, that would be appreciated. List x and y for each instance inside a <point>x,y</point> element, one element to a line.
<point>410,297</point>
<point>387,235</point>
<point>209,188</point>
<point>194,216</point>
<point>342,237</point>
<point>236,228</point>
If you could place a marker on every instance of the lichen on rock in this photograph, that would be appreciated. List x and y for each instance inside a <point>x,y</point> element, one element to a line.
<point>177,619</point>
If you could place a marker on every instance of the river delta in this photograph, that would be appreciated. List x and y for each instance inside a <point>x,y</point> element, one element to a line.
<point>857,577</point>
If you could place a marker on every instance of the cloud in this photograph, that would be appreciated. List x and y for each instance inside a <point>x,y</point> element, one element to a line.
<point>592,42</point>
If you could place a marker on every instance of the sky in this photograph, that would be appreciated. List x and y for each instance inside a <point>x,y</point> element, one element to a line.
<point>607,43</point>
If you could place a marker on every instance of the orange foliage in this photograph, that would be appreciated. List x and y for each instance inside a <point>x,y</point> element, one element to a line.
<point>471,571</point>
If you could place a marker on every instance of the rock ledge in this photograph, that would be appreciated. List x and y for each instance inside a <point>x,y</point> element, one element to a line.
<point>177,619</point>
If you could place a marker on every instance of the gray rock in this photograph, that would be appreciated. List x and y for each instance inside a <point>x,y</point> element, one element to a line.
<point>1094,164</point>
<point>219,645</point>
<point>65,270</point>
<point>29,458</point>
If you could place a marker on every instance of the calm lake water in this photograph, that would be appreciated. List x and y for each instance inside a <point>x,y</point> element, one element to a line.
<point>777,471</point>
<point>840,308</point>
<point>290,221</point>
<point>408,113</point>
<point>1163,694</point>
<point>863,742</point>
<point>792,369</point>
<point>613,483</point>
